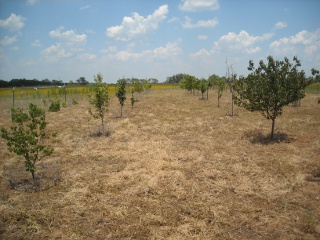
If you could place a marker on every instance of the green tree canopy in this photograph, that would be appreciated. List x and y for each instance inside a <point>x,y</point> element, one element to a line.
<point>99,99</point>
<point>270,87</point>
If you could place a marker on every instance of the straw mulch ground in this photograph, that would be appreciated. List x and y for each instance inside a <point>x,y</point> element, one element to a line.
<point>174,167</point>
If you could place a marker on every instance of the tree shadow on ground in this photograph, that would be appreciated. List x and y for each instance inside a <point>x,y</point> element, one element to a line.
<point>258,137</point>
<point>47,175</point>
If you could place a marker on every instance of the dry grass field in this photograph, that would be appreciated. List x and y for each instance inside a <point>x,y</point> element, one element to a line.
<point>174,167</point>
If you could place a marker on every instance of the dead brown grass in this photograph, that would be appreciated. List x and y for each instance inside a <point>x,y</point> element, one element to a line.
<point>175,167</point>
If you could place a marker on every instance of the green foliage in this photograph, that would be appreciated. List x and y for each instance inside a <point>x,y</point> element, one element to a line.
<point>99,99</point>
<point>203,86</point>
<point>121,92</point>
<point>74,102</point>
<point>26,137</point>
<point>132,98</point>
<point>64,104</point>
<point>188,82</point>
<point>270,87</point>
<point>54,106</point>
<point>137,86</point>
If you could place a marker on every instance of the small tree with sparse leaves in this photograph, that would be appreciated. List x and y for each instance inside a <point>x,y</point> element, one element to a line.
<point>27,137</point>
<point>121,92</point>
<point>99,99</point>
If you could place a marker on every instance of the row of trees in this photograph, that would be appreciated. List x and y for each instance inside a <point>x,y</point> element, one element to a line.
<point>22,82</point>
<point>266,89</point>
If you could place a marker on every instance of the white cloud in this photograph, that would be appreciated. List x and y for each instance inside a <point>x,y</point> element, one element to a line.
<point>13,23</point>
<point>280,25</point>
<point>70,44</point>
<point>202,37</point>
<point>85,7</point>
<point>8,40</point>
<point>15,48</point>
<point>136,25</point>
<point>87,57</point>
<point>55,52</point>
<point>201,23</point>
<point>201,53</point>
<point>242,41</point>
<point>109,49</point>
<point>36,43</point>
<point>304,41</point>
<point>68,36</point>
<point>170,50</point>
<point>199,5</point>
<point>31,2</point>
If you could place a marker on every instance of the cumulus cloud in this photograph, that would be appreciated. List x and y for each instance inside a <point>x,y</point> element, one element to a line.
<point>201,23</point>
<point>280,25</point>
<point>87,57</point>
<point>242,41</point>
<point>31,2</point>
<point>85,7</point>
<point>55,52</point>
<point>13,22</point>
<point>202,37</point>
<point>136,25</point>
<point>68,36</point>
<point>170,50</point>
<point>36,43</point>
<point>303,41</point>
<point>69,44</point>
<point>109,49</point>
<point>8,40</point>
<point>199,5</point>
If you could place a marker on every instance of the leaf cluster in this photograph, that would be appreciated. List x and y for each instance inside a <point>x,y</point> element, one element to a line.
<point>270,87</point>
<point>121,91</point>
<point>26,137</point>
<point>99,98</point>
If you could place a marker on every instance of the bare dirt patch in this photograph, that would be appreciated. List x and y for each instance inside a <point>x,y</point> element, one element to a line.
<point>174,167</point>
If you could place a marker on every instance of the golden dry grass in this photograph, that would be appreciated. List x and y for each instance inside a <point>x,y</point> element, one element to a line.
<point>175,167</point>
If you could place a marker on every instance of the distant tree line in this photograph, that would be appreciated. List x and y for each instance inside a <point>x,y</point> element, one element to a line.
<point>22,82</point>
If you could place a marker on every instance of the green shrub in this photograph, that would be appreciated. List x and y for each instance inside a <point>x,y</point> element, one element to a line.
<point>54,106</point>
<point>74,102</point>
<point>64,104</point>
<point>26,138</point>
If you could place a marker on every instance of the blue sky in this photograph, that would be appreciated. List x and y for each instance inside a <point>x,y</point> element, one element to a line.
<point>68,39</point>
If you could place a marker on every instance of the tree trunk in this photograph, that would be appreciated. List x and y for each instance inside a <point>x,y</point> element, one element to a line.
<point>232,104</point>
<point>121,112</point>
<point>272,129</point>
<point>207,93</point>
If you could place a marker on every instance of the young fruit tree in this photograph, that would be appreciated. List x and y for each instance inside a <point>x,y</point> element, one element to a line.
<point>231,81</point>
<point>270,87</point>
<point>220,87</point>
<point>121,92</point>
<point>203,86</point>
<point>26,138</point>
<point>99,99</point>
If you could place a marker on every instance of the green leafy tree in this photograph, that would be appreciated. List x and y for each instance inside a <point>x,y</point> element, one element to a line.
<point>121,92</point>
<point>137,86</point>
<point>82,81</point>
<point>188,82</point>
<point>316,77</point>
<point>220,87</point>
<point>27,136</point>
<point>203,86</point>
<point>99,99</point>
<point>270,87</point>
<point>132,98</point>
